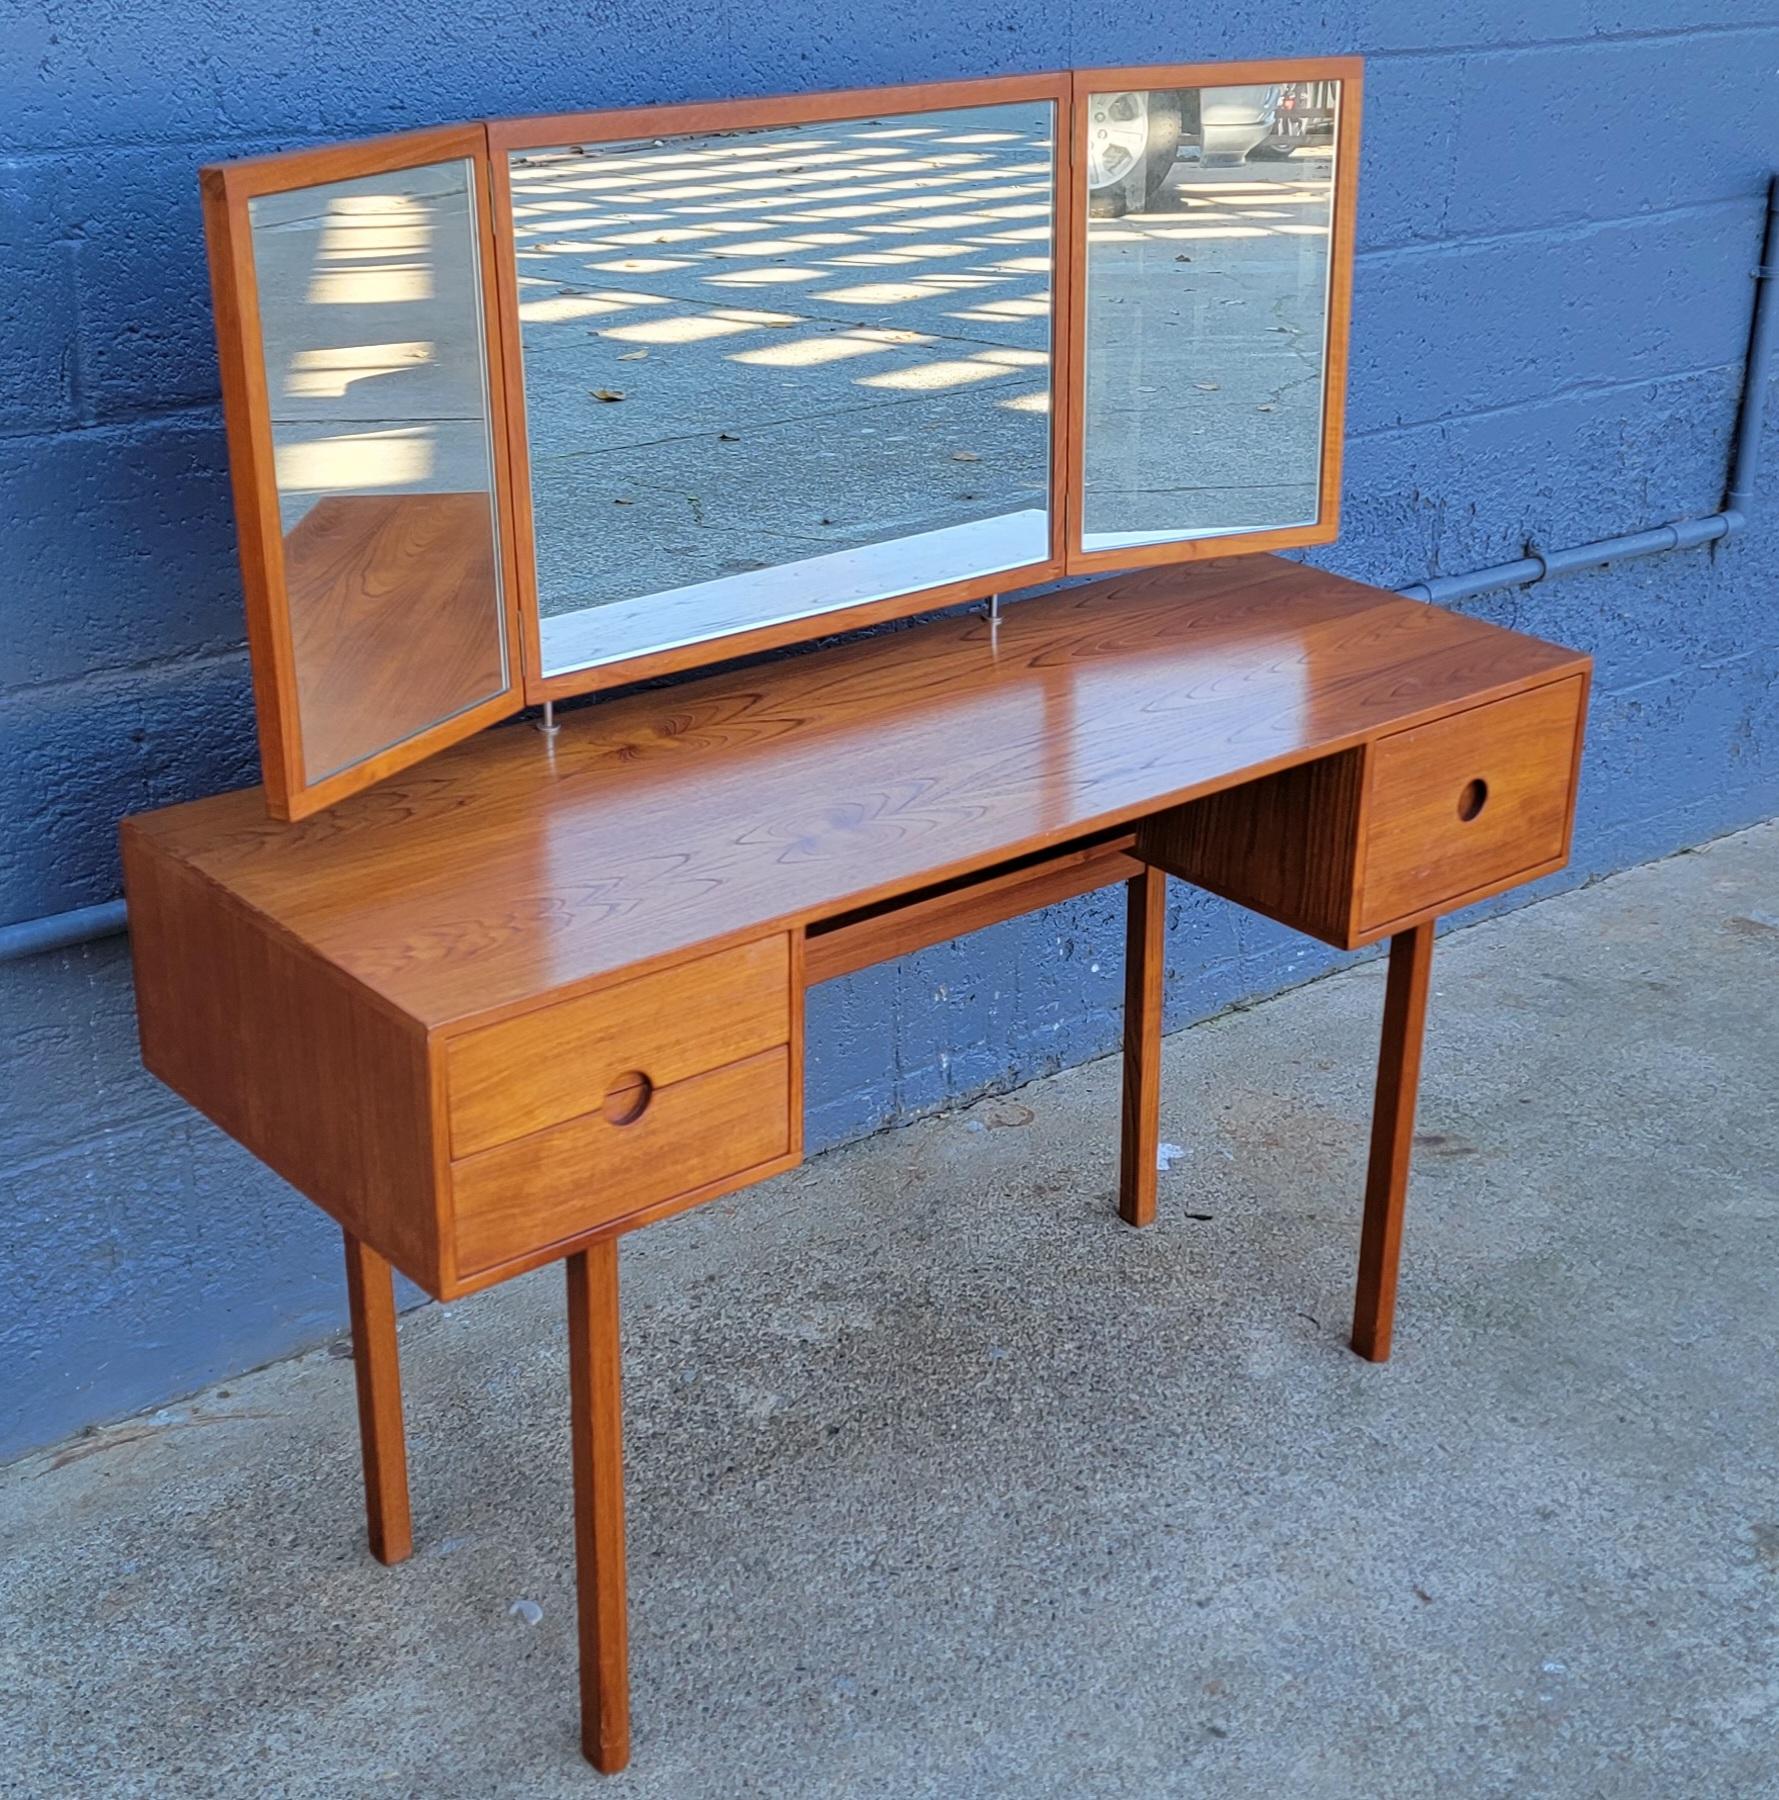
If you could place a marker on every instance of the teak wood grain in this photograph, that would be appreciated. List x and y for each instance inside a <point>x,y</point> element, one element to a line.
<point>1286,845</point>
<point>370,578</point>
<point>596,1440</point>
<point>561,1184</point>
<point>1392,1139</point>
<point>540,991</point>
<point>512,867</point>
<point>1363,843</point>
<point>289,1055</point>
<point>1145,950</point>
<point>875,934</point>
<point>1421,849</point>
<point>370,1298</point>
<point>543,1067</point>
<point>546,990</point>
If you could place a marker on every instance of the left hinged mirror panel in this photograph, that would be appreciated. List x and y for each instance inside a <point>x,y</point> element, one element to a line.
<point>367,444</point>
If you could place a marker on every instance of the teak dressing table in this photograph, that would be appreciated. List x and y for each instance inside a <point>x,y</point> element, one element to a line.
<point>506,1007</point>
<point>493,998</point>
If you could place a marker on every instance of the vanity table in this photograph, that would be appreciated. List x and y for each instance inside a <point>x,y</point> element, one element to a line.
<point>494,998</point>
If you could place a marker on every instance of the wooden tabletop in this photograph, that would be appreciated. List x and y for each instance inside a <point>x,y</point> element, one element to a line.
<point>515,865</point>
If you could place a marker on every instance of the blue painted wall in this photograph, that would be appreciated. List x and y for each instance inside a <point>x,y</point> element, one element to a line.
<point>1560,212</point>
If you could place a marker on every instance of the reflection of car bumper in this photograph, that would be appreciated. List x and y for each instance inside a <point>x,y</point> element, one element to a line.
<point>1226,144</point>
<point>1233,120</point>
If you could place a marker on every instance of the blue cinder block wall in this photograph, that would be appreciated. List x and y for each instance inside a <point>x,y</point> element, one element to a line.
<point>1561,208</point>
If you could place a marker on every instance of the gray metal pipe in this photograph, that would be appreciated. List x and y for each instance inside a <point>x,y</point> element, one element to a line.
<point>58,931</point>
<point>1540,565</point>
<point>1678,534</point>
<point>1752,417</point>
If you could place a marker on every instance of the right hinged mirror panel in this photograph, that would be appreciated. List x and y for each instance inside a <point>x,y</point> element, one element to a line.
<point>1210,289</point>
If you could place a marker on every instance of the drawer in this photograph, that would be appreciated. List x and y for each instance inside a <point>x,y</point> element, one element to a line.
<point>523,1075</point>
<point>1467,802</point>
<point>540,1190</point>
<point>1349,846</point>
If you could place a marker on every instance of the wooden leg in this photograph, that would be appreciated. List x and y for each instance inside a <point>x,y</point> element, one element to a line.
<point>598,1440</point>
<point>370,1289</point>
<point>1392,1138</point>
<point>1144,954</point>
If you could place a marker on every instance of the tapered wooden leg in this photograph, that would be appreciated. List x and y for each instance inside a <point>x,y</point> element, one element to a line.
<point>370,1289</point>
<point>1144,955</point>
<point>1392,1138</point>
<point>598,1440</point>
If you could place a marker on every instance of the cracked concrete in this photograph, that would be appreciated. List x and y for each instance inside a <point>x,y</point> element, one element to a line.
<point>943,1482</point>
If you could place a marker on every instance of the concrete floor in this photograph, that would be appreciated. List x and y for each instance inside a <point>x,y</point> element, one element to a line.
<point>943,1482</point>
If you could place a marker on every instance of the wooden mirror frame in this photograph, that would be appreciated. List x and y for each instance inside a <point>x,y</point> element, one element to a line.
<point>227,190</point>
<point>543,132</point>
<point>1072,336</point>
<point>486,145</point>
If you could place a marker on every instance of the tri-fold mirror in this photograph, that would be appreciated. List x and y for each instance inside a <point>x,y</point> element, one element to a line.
<point>523,409</point>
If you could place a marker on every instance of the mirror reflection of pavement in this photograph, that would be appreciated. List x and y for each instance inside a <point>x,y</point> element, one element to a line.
<point>367,307</point>
<point>824,336</point>
<point>1205,343</point>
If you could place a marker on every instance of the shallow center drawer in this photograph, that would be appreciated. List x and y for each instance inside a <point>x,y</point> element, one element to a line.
<point>522,1075</point>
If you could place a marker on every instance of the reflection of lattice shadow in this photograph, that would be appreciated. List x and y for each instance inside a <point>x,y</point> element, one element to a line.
<point>370,327</point>
<point>945,210</point>
<point>864,308</point>
<point>1206,342</point>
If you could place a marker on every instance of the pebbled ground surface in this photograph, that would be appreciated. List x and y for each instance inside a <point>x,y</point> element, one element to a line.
<point>942,1482</point>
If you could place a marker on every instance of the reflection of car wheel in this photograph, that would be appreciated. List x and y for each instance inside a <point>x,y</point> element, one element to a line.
<point>1132,139</point>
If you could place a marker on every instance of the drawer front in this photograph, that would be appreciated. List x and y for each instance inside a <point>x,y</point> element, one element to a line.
<point>525,1074</point>
<point>1468,801</point>
<point>524,1196</point>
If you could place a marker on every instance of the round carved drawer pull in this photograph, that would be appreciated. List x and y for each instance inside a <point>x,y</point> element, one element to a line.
<point>1472,800</point>
<point>628,1097</point>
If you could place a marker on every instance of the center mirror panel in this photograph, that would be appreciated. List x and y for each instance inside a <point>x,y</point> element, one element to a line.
<point>774,373</point>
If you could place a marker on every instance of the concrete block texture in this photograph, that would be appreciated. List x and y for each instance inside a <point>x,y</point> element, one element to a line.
<point>1560,210</point>
<point>77,761</point>
<point>943,1482</point>
<point>39,339</point>
<point>144,503</point>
